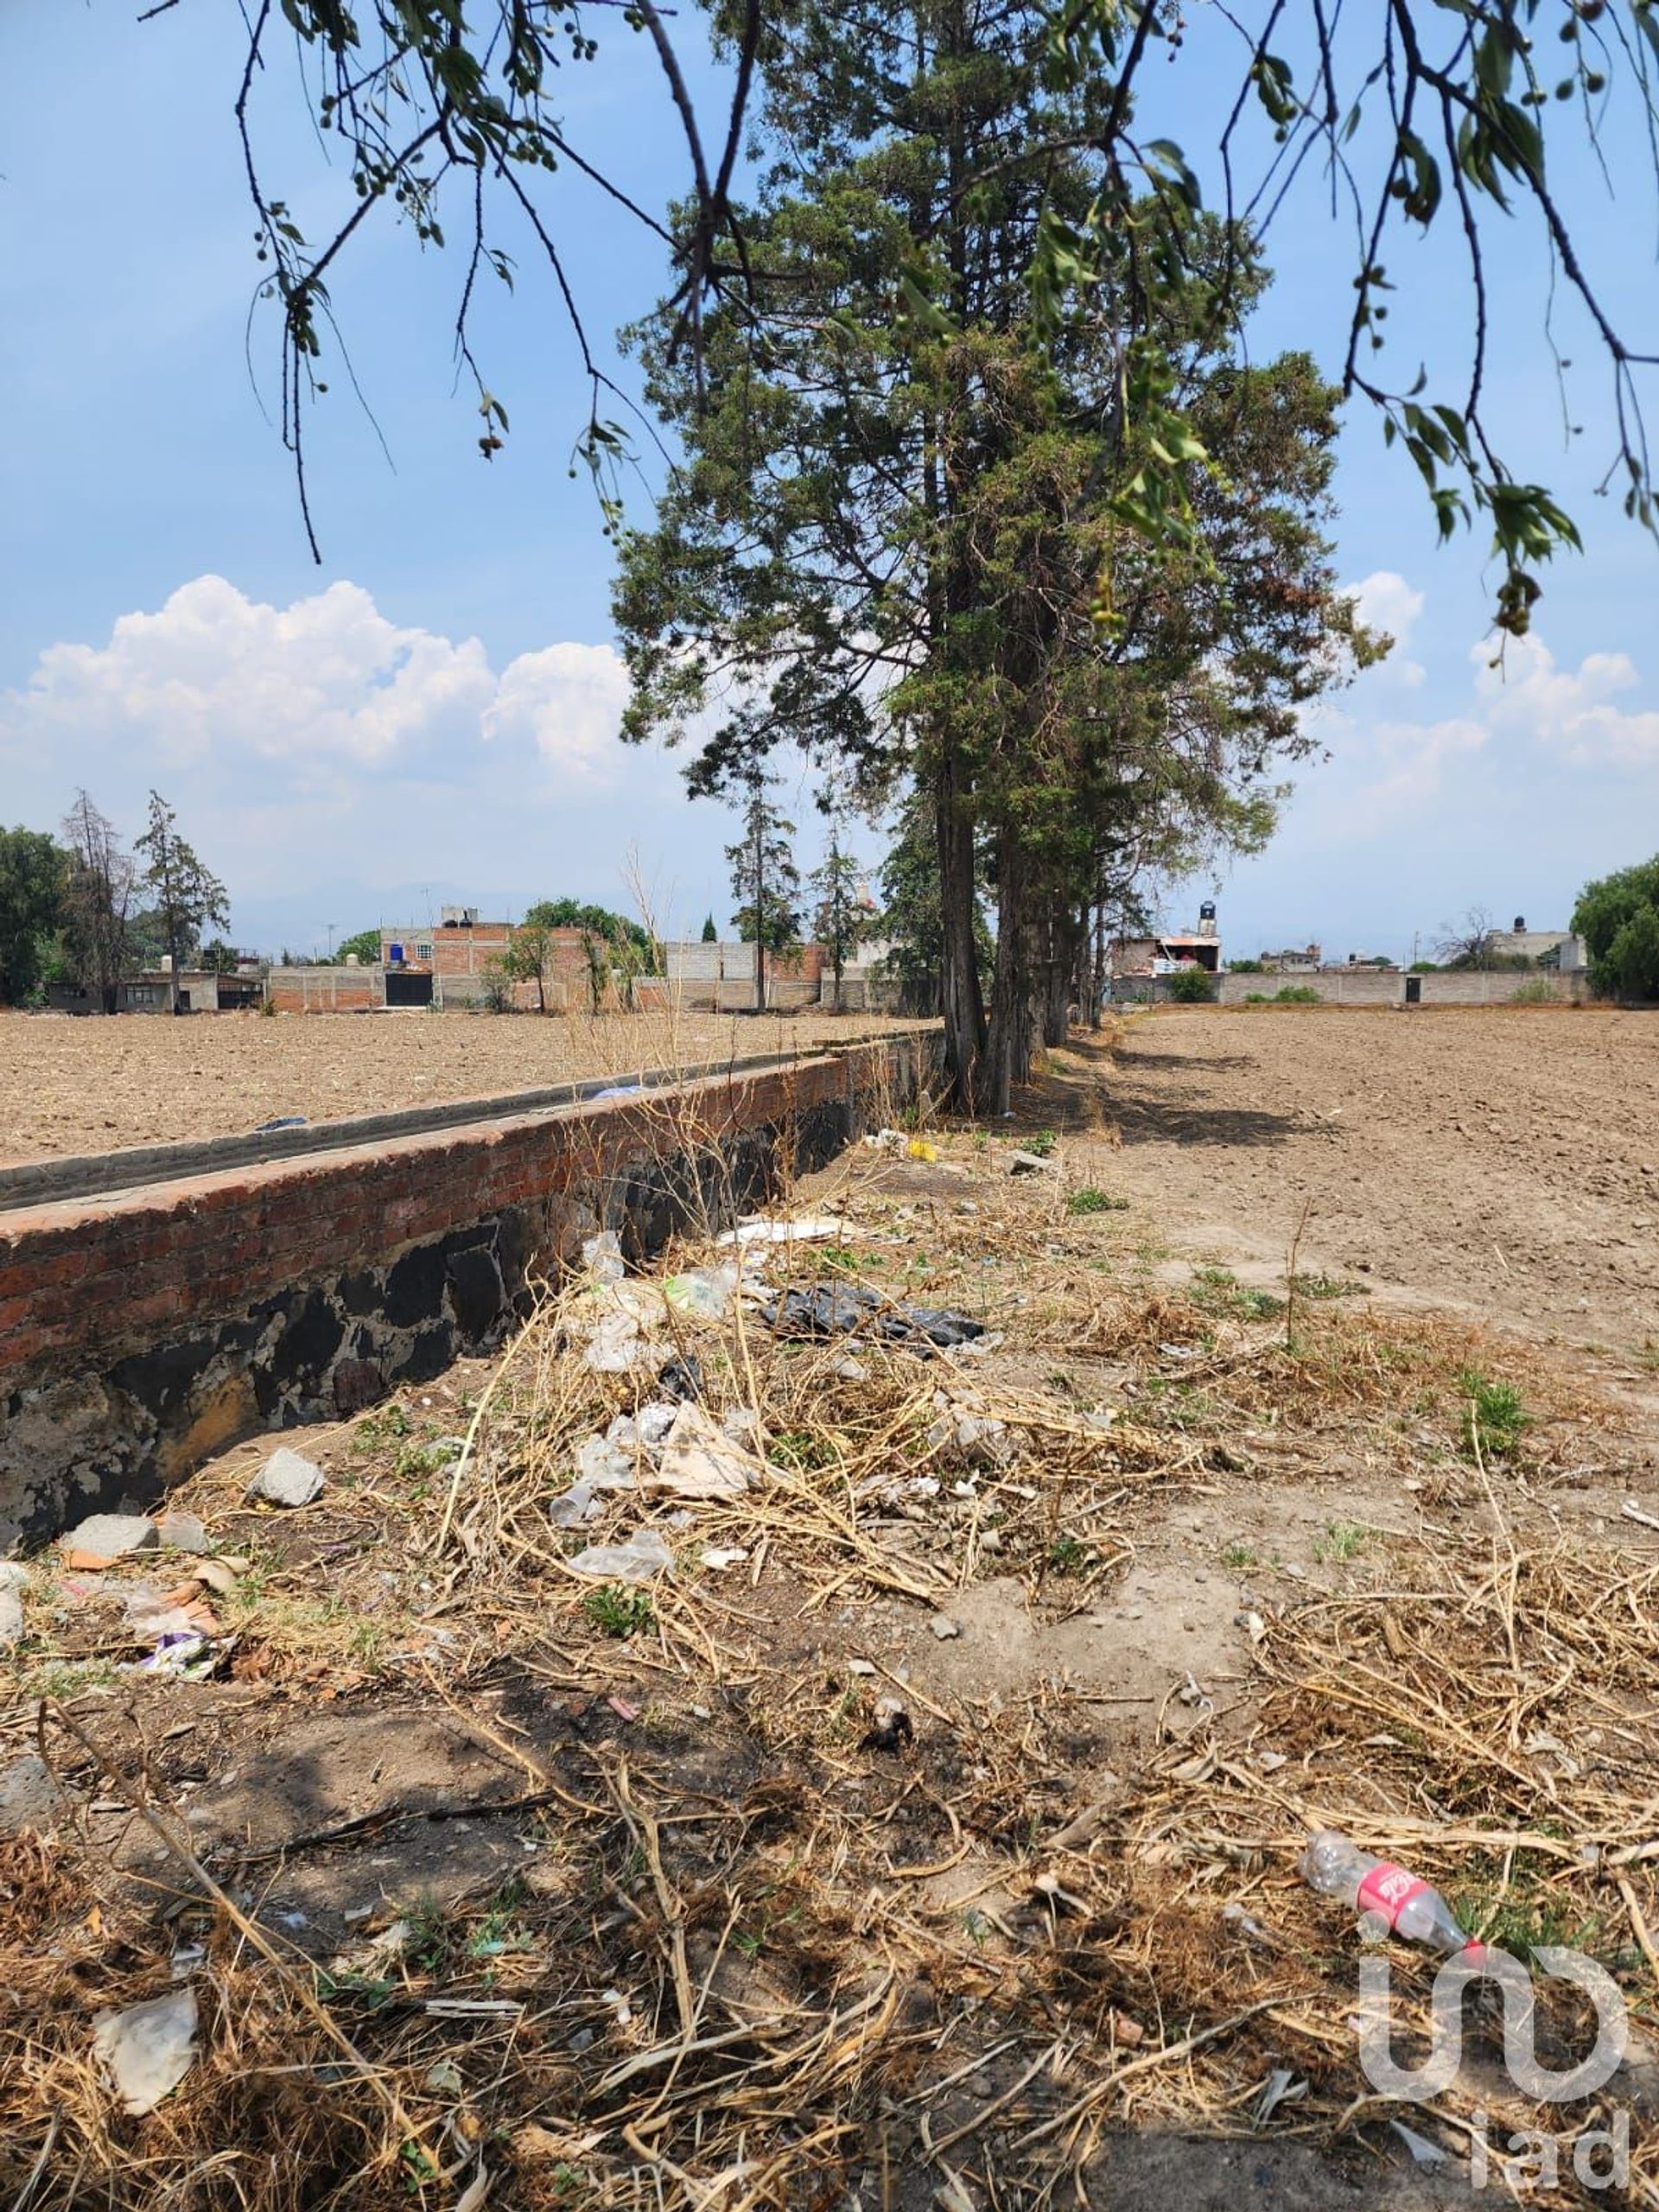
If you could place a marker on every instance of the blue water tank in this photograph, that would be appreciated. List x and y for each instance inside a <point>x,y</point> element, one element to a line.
<point>395,955</point>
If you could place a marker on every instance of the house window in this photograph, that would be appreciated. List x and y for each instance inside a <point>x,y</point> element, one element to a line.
<point>422,952</point>
<point>141,995</point>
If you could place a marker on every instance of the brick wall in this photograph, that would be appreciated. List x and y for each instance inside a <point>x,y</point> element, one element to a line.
<point>138,1331</point>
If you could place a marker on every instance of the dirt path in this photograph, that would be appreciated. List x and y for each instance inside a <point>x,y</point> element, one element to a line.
<point>1505,1161</point>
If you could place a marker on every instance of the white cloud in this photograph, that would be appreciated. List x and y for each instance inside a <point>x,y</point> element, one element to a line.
<point>326,686</point>
<point>323,744</point>
<point>1385,601</point>
<point>1572,712</point>
<point>1524,711</point>
<point>568,701</point>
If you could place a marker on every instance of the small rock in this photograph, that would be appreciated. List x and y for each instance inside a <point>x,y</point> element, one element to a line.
<point>287,1478</point>
<point>29,1795</point>
<point>944,1627</point>
<point>183,1532</point>
<point>14,1581</point>
<point>860,1667</point>
<point>112,1535</point>
<point>1030,1163</point>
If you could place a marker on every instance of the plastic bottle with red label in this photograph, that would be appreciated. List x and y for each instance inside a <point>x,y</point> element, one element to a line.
<point>1337,1868</point>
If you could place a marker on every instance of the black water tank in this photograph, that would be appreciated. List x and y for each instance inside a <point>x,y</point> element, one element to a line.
<point>1520,924</point>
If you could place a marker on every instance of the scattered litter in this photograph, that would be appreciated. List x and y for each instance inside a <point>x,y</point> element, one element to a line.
<point>891,1729</point>
<point>444,2079</point>
<point>183,1532</point>
<point>617,1090</point>
<point>617,1346</point>
<point>153,1615</point>
<point>1252,1622</point>
<point>623,1710</point>
<point>1270,1762</point>
<point>280,1121</point>
<point>860,1667</point>
<point>1281,2088</point>
<point>702,1294</point>
<point>762,1229</point>
<point>944,1627</point>
<point>1632,1511</point>
<point>680,1378</point>
<point>216,1576</point>
<point>698,1459</point>
<point>643,1554</point>
<point>1337,1868</point>
<point>148,2049</point>
<point>106,1536</point>
<point>603,1256</point>
<point>846,1309</point>
<point>14,1581</point>
<point>1246,1923</point>
<point>919,1149</point>
<point>974,1437</point>
<point>471,2008</point>
<point>180,1652</point>
<point>720,1556</point>
<point>1423,2152</point>
<point>288,1477</point>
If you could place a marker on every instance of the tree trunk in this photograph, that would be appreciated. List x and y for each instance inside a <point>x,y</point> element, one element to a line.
<point>1063,937</point>
<point>1007,1048</point>
<point>760,915</point>
<point>1097,985</point>
<point>961,1002</point>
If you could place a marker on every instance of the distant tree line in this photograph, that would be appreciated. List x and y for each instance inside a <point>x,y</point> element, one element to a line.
<point>84,911</point>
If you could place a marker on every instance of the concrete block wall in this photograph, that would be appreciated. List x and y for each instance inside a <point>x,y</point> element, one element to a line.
<point>140,1331</point>
<point>1366,987</point>
<point>326,990</point>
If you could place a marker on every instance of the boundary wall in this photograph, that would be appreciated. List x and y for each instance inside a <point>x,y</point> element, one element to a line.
<point>142,1329</point>
<point>1366,987</point>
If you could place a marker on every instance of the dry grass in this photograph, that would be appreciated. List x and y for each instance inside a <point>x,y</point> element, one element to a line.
<point>754,1962</point>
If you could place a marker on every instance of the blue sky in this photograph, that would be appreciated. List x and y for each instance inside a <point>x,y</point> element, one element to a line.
<point>430,714</point>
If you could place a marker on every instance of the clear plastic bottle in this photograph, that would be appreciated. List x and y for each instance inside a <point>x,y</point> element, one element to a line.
<point>1337,1868</point>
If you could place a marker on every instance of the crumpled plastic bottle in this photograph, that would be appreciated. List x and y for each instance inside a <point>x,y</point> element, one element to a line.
<point>1338,1868</point>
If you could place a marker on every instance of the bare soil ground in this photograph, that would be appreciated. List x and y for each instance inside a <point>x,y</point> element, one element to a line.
<point>73,1085</point>
<point>571,1894</point>
<point>1504,1160</point>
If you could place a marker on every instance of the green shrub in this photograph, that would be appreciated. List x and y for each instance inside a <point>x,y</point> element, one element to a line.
<point>1192,987</point>
<point>618,1611</point>
<point>1536,993</point>
<point>1494,1417</point>
<point>1087,1199</point>
<point>1297,994</point>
